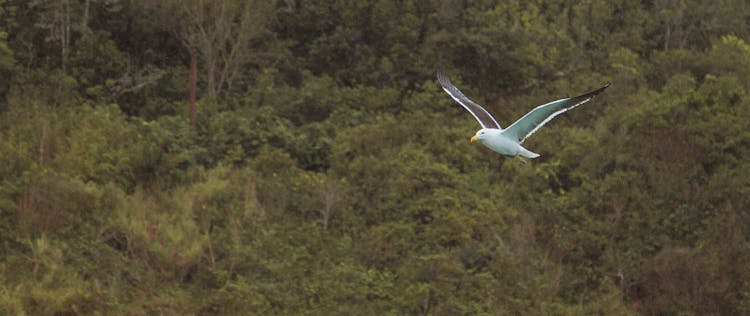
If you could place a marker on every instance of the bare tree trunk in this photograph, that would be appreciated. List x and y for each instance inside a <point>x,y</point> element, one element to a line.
<point>211,76</point>
<point>426,304</point>
<point>330,195</point>
<point>193,85</point>
<point>85,20</point>
<point>65,33</point>
<point>43,142</point>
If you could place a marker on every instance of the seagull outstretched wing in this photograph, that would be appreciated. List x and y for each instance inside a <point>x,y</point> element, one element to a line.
<point>536,118</point>
<point>479,113</point>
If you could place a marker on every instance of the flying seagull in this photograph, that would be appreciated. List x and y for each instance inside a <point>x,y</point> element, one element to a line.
<point>508,141</point>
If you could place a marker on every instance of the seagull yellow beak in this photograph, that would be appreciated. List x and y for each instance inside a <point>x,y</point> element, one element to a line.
<point>473,138</point>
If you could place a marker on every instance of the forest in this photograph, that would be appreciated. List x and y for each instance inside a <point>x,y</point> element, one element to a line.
<point>293,157</point>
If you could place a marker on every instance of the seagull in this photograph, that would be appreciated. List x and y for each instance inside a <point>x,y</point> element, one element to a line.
<point>508,141</point>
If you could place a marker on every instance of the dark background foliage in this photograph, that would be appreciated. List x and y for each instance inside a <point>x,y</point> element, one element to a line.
<point>328,174</point>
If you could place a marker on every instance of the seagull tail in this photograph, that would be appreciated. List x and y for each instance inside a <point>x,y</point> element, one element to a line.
<point>523,152</point>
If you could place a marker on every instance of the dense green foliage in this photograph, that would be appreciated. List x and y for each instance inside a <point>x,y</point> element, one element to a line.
<point>328,174</point>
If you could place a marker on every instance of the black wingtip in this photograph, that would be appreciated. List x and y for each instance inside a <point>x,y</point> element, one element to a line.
<point>440,74</point>
<point>606,85</point>
<point>597,91</point>
<point>591,93</point>
<point>442,78</point>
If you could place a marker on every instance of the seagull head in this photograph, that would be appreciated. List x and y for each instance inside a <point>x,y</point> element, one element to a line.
<point>484,133</point>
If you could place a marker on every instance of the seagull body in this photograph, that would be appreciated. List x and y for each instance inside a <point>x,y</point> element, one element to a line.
<point>494,139</point>
<point>508,141</point>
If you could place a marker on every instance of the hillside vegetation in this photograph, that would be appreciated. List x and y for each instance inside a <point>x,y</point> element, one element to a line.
<point>325,172</point>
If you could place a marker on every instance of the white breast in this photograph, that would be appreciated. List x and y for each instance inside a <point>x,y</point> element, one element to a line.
<point>502,144</point>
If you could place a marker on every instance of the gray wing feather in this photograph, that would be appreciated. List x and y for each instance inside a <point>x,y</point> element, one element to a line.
<point>536,118</point>
<point>480,114</point>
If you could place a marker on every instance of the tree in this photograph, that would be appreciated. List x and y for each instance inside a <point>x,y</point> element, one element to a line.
<point>55,17</point>
<point>6,56</point>
<point>220,33</point>
<point>223,33</point>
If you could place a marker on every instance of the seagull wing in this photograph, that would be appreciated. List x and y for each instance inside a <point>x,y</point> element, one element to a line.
<point>479,113</point>
<point>536,118</point>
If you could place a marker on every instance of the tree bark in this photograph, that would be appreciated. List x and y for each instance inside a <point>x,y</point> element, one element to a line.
<point>65,33</point>
<point>85,19</point>
<point>193,85</point>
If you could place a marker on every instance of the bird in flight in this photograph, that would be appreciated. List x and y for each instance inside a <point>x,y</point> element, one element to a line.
<point>508,141</point>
